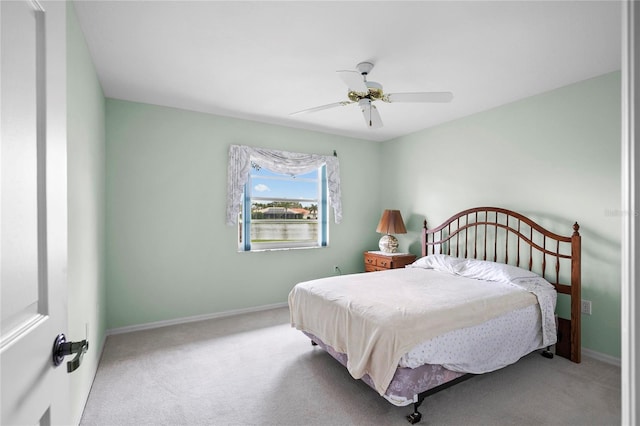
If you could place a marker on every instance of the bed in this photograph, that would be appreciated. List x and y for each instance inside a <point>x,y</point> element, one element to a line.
<point>483,294</point>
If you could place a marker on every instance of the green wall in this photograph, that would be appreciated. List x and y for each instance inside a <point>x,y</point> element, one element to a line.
<point>169,252</point>
<point>86,210</point>
<point>554,157</point>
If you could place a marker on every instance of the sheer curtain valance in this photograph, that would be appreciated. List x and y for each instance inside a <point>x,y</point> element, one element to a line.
<point>292,163</point>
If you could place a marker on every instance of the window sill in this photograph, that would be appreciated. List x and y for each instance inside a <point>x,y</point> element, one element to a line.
<point>258,250</point>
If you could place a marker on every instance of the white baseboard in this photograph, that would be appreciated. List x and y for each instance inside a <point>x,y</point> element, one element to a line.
<point>601,357</point>
<point>184,320</point>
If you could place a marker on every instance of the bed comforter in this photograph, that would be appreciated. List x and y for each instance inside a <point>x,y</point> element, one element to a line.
<point>375,318</point>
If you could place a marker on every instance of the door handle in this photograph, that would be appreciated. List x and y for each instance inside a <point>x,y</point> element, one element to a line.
<point>62,348</point>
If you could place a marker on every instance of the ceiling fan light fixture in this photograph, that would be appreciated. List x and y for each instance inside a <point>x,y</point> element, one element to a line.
<point>355,96</point>
<point>375,90</point>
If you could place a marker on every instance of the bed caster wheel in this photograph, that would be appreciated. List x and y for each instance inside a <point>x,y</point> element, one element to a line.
<point>414,417</point>
<point>547,354</point>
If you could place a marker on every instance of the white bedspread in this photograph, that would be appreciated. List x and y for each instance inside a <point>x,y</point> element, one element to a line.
<point>375,318</point>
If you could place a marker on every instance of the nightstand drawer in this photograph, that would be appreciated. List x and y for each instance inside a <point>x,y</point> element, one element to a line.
<point>384,263</point>
<point>378,261</point>
<point>369,261</point>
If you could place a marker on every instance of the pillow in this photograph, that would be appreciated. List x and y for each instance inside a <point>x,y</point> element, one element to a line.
<point>439,262</point>
<point>491,271</point>
<point>472,268</point>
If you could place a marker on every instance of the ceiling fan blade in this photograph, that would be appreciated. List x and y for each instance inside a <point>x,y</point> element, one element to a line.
<point>419,97</point>
<point>320,108</point>
<point>354,81</point>
<point>370,114</point>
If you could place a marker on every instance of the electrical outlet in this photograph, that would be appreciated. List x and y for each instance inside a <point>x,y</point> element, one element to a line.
<point>585,307</point>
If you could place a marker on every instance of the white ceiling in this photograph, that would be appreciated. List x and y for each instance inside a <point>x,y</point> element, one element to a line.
<point>263,60</point>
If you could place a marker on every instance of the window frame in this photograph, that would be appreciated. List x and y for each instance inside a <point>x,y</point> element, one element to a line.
<point>244,216</point>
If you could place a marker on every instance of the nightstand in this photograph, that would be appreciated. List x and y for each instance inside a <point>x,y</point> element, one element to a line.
<point>380,261</point>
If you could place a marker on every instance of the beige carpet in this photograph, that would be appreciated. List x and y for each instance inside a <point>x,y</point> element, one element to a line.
<point>254,369</point>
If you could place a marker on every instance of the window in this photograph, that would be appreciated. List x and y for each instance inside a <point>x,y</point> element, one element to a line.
<point>280,199</point>
<point>283,211</point>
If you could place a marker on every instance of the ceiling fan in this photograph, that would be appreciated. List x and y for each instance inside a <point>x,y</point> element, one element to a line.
<point>364,93</point>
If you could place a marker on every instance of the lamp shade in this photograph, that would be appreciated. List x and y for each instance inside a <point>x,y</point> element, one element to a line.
<point>391,223</point>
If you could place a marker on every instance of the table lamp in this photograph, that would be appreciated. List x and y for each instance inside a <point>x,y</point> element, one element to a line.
<point>390,223</point>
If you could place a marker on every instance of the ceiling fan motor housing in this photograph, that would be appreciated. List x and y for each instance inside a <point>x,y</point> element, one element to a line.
<point>374,93</point>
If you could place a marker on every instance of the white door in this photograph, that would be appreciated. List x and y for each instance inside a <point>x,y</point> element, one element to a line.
<point>32,212</point>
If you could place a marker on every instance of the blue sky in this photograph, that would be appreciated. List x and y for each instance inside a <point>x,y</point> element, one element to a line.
<point>268,184</point>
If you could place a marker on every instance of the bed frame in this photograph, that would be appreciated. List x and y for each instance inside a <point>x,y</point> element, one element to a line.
<point>504,236</point>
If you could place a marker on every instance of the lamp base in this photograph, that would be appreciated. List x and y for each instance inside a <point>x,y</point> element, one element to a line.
<point>388,244</point>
